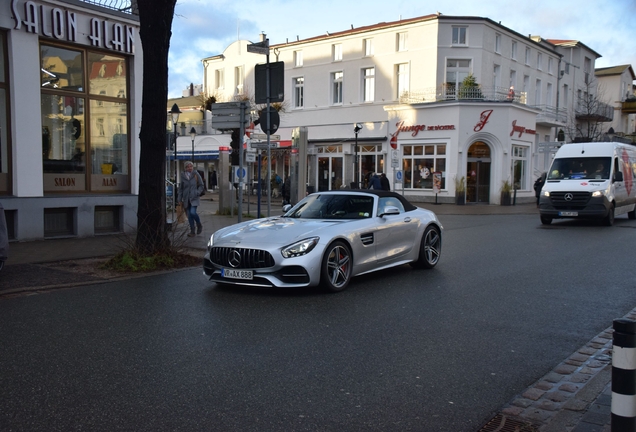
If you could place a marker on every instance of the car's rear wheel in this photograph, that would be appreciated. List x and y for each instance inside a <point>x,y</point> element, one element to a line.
<point>336,267</point>
<point>546,220</point>
<point>632,214</point>
<point>430,249</point>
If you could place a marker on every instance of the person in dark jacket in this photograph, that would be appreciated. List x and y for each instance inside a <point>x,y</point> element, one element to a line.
<point>384,182</point>
<point>374,182</point>
<point>190,190</point>
<point>538,185</point>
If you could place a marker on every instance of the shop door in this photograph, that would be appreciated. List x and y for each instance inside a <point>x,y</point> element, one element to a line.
<point>329,173</point>
<point>478,182</point>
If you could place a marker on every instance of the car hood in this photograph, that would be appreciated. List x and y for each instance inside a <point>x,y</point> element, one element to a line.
<point>272,231</point>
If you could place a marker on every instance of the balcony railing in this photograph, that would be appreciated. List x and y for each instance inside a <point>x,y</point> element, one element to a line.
<point>629,107</point>
<point>549,114</point>
<point>126,6</point>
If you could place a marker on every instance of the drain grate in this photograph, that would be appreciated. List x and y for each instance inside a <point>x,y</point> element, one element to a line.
<point>501,423</point>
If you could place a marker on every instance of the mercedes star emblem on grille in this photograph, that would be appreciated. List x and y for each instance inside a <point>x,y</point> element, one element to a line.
<point>568,197</point>
<point>235,258</point>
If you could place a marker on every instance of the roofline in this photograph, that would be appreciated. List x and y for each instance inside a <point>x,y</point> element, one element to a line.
<point>572,43</point>
<point>408,21</point>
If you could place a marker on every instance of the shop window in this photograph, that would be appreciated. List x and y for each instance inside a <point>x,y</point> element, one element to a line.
<point>84,145</point>
<point>520,167</point>
<point>419,162</point>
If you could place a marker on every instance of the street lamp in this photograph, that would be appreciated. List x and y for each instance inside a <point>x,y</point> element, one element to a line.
<point>357,128</point>
<point>193,133</point>
<point>174,112</point>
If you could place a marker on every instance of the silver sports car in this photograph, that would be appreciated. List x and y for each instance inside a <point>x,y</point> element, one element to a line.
<point>325,239</point>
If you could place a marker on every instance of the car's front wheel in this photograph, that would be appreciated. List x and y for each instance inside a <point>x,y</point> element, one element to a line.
<point>609,219</point>
<point>336,267</point>
<point>430,249</point>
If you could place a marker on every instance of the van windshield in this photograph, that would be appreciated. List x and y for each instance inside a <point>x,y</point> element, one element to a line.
<point>590,168</point>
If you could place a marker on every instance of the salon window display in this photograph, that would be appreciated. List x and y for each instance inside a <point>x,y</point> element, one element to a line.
<point>85,142</point>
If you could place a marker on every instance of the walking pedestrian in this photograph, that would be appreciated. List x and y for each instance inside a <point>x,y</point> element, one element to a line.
<point>384,182</point>
<point>190,189</point>
<point>374,183</point>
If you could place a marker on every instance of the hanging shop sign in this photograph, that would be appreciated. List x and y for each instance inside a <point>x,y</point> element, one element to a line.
<point>65,25</point>
<point>521,130</point>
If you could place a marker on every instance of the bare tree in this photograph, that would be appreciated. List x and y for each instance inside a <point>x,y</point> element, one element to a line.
<point>155,19</point>
<point>587,122</point>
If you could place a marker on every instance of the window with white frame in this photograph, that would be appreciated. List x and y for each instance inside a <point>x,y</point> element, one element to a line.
<point>459,35</point>
<point>238,79</point>
<point>540,61</point>
<point>299,92</point>
<point>566,93</point>
<point>456,71</point>
<point>513,52</point>
<point>219,79</point>
<point>401,41</point>
<point>420,162</point>
<point>498,43</point>
<point>520,167</point>
<point>513,79</point>
<point>368,84</point>
<point>402,79</point>
<point>548,94</point>
<point>298,58</point>
<point>537,93</point>
<point>337,52</point>
<point>336,88</point>
<point>527,55</point>
<point>551,65</point>
<point>587,69</point>
<point>368,47</point>
<point>496,77</point>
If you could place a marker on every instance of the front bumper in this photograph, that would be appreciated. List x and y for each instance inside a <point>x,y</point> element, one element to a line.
<point>290,275</point>
<point>593,208</point>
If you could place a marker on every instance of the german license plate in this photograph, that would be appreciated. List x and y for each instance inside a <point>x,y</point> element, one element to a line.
<point>570,213</point>
<point>237,274</point>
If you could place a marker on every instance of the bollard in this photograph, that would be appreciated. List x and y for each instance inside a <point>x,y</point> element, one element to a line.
<point>624,376</point>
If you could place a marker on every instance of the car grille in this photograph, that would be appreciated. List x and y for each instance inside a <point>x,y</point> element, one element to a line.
<point>578,201</point>
<point>241,258</point>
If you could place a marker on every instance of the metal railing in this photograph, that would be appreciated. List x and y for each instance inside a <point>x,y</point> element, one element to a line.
<point>126,6</point>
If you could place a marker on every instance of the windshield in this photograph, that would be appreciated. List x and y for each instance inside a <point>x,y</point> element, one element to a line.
<point>330,206</point>
<point>590,168</point>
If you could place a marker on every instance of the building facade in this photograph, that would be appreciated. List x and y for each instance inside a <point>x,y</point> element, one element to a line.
<point>70,109</point>
<point>442,101</point>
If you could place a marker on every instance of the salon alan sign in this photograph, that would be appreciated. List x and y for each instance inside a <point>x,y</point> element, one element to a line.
<point>62,24</point>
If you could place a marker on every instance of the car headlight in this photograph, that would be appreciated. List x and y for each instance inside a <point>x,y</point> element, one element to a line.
<point>598,193</point>
<point>546,193</point>
<point>300,248</point>
<point>210,242</point>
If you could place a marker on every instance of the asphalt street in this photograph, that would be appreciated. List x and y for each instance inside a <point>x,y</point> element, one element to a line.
<point>440,350</point>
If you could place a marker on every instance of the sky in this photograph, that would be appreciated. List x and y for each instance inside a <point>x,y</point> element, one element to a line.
<point>203,28</point>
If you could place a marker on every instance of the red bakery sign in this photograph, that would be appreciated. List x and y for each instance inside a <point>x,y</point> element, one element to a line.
<point>415,129</point>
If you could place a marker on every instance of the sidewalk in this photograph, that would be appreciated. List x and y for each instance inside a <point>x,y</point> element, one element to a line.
<point>574,397</point>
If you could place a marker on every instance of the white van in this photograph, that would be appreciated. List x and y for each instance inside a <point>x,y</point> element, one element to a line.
<point>590,181</point>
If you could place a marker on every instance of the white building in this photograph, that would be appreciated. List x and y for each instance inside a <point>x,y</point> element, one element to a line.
<point>618,84</point>
<point>70,106</point>
<point>404,83</point>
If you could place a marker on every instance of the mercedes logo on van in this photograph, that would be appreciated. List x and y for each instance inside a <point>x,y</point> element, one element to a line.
<point>568,196</point>
<point>235,258</point>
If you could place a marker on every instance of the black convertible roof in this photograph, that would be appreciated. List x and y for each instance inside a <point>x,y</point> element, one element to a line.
<point>380,193</point>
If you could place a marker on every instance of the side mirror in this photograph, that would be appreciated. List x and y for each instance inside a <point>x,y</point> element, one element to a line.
<point>618,176</point>
<point>389,210</point>
<point>286,208</point>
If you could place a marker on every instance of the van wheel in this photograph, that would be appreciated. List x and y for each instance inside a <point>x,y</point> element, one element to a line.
<point>609,219</point>
<point>632,214</point>
<point>546,220</point>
